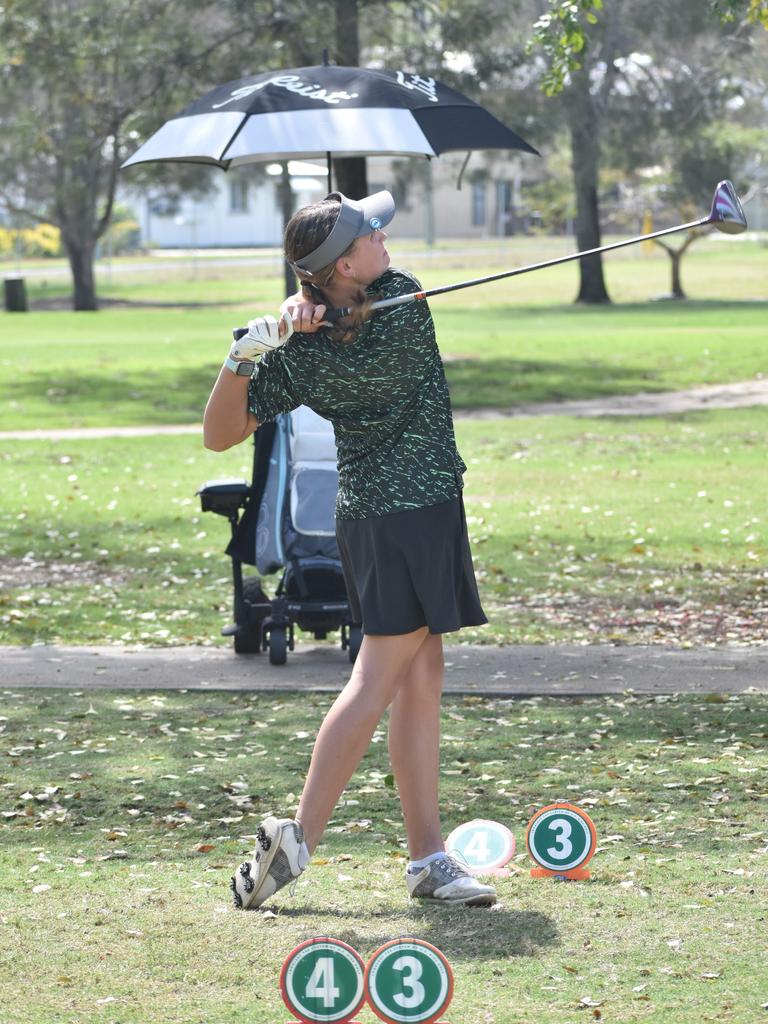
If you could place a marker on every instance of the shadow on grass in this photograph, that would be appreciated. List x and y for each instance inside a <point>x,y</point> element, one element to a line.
<point>476,383</point>
<point>176,394</point>
<point>48,302</point>
<point>462,933</point>
<point>652,308</point>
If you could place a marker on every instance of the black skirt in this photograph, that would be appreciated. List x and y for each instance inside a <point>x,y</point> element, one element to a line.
<point>410,569</point>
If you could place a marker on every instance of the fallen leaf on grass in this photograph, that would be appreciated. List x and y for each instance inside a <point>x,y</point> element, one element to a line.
<point>204,847</point>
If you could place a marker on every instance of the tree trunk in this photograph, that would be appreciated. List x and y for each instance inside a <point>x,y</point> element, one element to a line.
<point>80,255</point>
<point>676,257</point>
<point>585,156</point>
<point>677,288</point>
<point>350,173</point>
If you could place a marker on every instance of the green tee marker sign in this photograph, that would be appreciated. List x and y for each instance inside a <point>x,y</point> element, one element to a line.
<point>485,846</point>
<point>561,839</point>
<point>408,981</point>
<point>322,980</point>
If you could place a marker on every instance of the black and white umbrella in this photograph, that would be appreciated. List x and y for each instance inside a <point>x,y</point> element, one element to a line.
<point>302,113</point>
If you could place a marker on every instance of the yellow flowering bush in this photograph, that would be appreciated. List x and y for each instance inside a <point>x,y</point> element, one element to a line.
<point>41,240</point>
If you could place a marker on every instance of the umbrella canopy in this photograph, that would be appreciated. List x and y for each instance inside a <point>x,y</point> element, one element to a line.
<point>309,112</point>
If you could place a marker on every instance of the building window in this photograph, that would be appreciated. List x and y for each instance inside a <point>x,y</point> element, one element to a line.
<point>478,204</point>
<point>238,196</point>
<point>164,205</point>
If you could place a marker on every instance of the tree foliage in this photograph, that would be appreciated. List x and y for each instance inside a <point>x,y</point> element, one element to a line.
<point>562,32</point>
<point>79,77</point>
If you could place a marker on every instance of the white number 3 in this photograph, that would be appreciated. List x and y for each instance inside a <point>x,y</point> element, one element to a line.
<point>564,846</point>
<point>411,981</point>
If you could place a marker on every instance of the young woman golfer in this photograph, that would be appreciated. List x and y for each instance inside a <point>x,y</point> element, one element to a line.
<point>400,525</point>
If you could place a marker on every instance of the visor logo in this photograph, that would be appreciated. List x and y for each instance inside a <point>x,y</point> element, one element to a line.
<point>375,223</point>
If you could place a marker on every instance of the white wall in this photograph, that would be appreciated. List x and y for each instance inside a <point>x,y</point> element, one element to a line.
<point>211,222</point>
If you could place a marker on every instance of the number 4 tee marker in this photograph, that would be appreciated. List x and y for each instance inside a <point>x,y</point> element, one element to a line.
<point>323,980</point>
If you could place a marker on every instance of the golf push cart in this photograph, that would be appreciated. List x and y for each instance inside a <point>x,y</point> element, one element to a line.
<point>284,520</point>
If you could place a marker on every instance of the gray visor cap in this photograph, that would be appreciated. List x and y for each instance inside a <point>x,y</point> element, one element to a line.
<point>357,217</point>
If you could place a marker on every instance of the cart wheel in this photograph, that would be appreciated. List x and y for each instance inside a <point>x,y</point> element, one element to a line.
<point>277,646</point>
<point>355,640</point>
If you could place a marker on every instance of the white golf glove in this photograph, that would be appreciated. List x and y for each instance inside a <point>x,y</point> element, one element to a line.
<point>264,334</point>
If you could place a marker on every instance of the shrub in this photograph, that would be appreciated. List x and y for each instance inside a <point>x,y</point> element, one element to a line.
<point>41,240</point>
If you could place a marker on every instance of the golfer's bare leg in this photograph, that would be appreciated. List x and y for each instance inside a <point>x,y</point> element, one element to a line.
<point>348,727</point>
<point>414,747</point>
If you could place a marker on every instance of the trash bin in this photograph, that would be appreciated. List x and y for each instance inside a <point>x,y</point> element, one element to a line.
<point>15,295</point>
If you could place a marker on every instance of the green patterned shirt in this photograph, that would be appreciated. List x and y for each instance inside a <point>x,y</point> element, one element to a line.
<point>385,394</point>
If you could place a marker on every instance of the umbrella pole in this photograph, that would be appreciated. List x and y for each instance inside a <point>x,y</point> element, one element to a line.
<point>330,179</point>
<point>286,205</point>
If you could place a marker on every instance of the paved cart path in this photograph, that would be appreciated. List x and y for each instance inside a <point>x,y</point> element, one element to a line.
<point>715,396</point>
<point>562,670</point>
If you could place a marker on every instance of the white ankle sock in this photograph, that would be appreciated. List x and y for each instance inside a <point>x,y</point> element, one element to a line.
<point>417,865</point>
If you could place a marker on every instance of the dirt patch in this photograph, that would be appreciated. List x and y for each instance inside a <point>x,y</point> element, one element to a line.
<point>738,615</point>
<point>16,573</point>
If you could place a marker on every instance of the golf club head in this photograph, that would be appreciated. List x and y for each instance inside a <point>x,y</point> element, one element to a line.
<point>726,213</point>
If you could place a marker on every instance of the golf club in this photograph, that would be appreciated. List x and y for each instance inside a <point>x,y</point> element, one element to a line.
<point>726,215</point>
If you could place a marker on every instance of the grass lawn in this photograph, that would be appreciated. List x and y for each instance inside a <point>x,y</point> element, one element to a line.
<point>124,814</point>
<point>622,530</point>
<point>504,343</point>
<point>625,530</point>
<point>123,367</point>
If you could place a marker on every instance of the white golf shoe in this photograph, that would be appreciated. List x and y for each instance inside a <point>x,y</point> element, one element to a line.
<point>444,880</point>
<point>280,857</point>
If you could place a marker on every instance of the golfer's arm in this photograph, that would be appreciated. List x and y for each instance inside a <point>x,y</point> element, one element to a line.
<point>227,420</point>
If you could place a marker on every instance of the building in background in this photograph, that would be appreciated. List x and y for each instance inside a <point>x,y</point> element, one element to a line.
<point>243,207</point>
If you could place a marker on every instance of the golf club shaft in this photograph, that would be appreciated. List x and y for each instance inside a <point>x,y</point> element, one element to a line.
<point>335,314</point>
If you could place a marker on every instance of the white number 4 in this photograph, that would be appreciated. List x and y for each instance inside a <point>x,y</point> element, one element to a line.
<point>477,847</point>
<point>320,985</point>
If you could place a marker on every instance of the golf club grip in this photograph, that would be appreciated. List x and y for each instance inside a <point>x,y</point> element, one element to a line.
<point>331,315</point>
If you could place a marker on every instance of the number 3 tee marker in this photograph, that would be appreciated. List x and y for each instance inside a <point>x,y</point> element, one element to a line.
<point>561,839</point>
<point>408,981</point>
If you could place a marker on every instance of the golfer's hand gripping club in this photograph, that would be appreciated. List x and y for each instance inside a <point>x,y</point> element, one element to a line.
<point>264,334</point>
<point>330,316</point>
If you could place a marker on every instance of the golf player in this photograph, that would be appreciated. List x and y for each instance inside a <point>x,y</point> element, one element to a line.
<point>400,526</point>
